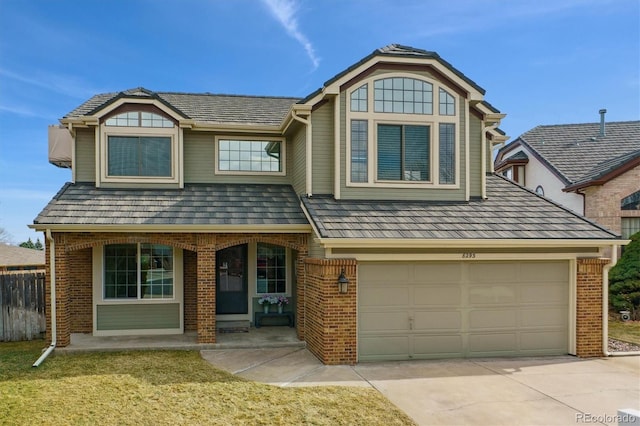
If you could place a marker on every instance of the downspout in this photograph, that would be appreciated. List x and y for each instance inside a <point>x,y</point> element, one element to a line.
<point>605,299</point>
<point>336,147</point>
<point>52,278</point>
<point>309,163</point>
<point>484,157</point>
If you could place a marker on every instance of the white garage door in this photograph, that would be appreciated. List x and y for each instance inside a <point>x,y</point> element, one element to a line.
<point>409,310</point>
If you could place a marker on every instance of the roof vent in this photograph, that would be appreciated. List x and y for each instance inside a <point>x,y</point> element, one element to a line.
<point>603,132</point>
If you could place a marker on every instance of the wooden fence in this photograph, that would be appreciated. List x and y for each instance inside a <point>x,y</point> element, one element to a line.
<point>22,315</point>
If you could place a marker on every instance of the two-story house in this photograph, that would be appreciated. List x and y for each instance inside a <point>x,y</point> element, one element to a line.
<point>590,168</point>
<point>183,209</point>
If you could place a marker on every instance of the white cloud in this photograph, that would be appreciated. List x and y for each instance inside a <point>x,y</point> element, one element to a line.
<point>61,84</point>
<point>285,12</point>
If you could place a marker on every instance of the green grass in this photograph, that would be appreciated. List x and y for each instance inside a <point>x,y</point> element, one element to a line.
<point>627,331</point>
<point>166,388</point>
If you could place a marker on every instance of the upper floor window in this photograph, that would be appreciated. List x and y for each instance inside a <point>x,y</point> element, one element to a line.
<point>632,202</point>
<point>250,156</point>
<point>359,99</point>
<point>447,103</point>
<point>403,96</point>
<point>139,156</point>
<point>138,119</point>
<point>396,138</point>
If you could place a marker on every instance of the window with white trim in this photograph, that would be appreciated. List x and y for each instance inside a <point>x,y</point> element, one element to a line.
<point>250,156</point>
<point>271,268</point>
<point>396,137</point>
<point>138,271</point>
<point>139,119</point>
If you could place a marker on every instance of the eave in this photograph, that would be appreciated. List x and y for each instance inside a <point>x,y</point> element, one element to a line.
<point>601,180</point>
<point>263,229</point>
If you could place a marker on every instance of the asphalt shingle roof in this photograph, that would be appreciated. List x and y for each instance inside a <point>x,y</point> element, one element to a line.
<point>577,151</point>
<point>197,204</point>
<point>203,107</point>
<point>20,256</point>
<point>510,212</point>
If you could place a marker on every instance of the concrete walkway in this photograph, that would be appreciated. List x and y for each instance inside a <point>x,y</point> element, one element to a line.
<point>510,391</point>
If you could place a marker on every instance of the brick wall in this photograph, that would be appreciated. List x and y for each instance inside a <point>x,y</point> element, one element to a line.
<point>602,202</point>
<point>190,290</point>
<point>330,322</point>
<point>589,330</point>
<point>81,291</point>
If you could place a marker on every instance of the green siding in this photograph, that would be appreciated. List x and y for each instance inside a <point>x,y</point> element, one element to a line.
<point>85,161</point>
<point>315,249</point>
<point>138,316</point>
<point>322,121</point>
<point>475,154</point>
<point>298,157</point>
<point>200,157</point>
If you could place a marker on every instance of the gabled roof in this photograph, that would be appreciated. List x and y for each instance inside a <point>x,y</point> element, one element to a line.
<point>14,256</point>
<point>203,107</point>
<point>510,212</point>
<point>577,152</point>
<point>203,205</point>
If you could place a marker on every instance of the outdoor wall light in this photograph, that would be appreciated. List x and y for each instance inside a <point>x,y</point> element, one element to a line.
<point>343,282</point>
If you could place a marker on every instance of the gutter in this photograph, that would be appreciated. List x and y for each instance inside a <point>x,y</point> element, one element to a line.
<point>52,275</point>
<point>308,138</point>
<point>605,299</point>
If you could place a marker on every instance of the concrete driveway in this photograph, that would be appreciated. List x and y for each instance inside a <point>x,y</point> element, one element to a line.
<point>497,391</point>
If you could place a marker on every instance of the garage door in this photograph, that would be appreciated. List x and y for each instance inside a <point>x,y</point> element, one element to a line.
<point>414,310</point>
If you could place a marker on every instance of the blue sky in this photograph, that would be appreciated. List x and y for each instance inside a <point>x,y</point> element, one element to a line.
<point>541,62</point>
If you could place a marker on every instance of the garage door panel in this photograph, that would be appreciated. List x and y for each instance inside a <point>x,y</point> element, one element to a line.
<point>437,295</point>
<point>544,317</point>
<point>437,320</point>
<point>437,273</point>
<point>548,341</point>
<point>493,319</point>
<point>380,296</point>
<point>381,272</point>
<point>493,272</point>
<point>493,294</point>
<point>488,343</point>
<point>547,271</point>
<point>425,346</point>
<point>384,347</point>
<point>384,321</point>
<point>544,292</point>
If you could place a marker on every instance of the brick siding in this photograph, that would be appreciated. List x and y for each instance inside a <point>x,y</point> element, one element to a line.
<point>589,330</point>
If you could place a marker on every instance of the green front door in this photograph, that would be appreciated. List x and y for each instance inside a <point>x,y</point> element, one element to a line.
<point>231,280</point>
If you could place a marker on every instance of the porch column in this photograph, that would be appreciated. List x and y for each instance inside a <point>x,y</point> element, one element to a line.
<point>63,317</point>
<point>206,289</point>
<point>589,330</point>
<point>330,322</point>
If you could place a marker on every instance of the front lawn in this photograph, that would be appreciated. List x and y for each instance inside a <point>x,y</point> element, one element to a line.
<point>626,331</point>
<point>166,388</point>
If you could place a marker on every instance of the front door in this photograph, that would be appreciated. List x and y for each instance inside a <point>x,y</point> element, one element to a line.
<point>231,280</point>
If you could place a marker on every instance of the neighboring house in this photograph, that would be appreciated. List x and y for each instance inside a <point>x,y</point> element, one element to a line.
<point>14,258</point>
<point>592,169</point>
<point>185,208</point>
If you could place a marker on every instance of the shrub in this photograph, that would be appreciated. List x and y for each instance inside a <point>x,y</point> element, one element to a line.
<point>624,279</point>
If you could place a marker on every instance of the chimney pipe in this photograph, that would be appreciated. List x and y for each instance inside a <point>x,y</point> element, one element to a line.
<point>602,125</point>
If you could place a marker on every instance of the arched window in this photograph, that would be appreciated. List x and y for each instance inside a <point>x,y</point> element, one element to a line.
<point>540,190</point>
<point>359,99</point>
<point>139,119</point>
<point>403,96</point>
<point>447,103</point>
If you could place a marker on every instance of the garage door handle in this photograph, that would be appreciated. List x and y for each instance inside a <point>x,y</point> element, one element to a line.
<point>410,323</point>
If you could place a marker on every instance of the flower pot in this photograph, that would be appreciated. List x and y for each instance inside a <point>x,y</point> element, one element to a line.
<point>280,307</point>
<point>265,306</point>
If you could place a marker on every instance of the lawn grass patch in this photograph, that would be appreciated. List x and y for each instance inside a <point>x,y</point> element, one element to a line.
<point>166,387</point>
<point>626,331</point>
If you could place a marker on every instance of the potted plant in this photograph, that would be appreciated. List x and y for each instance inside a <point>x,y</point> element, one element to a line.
<point>267,300</point>
<point>282,300</point>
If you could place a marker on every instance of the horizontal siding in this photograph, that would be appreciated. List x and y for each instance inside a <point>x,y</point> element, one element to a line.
<point>85,161</point>
<point>138,316</point>
<point>315,249</point>
<point>200,157</point>
<point>298,168</point>
<point>475,154</point>
<point>322,120</point>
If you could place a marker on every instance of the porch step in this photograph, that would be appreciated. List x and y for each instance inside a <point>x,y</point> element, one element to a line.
<point>233,326</point>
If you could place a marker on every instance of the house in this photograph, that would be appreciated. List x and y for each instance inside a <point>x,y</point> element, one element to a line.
<point>592,169</point>
<point>14,258</point>
<point>184,208</point>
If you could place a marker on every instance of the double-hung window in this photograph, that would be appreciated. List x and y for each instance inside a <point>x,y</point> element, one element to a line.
<point>401,130</point>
